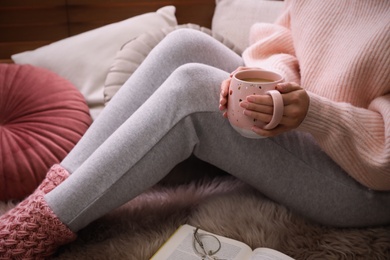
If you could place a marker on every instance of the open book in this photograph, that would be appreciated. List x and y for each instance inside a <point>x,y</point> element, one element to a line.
<point>183,245</point>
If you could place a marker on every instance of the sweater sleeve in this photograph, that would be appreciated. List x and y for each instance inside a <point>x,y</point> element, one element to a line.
<point>352,134</point>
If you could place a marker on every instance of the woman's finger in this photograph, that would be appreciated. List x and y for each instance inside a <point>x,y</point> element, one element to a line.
<point>225,87</point>
<point>256,116</point>
<point>224,94</point>
<point>259,108</point>
<point>287,87</point>
<point>260,99</point>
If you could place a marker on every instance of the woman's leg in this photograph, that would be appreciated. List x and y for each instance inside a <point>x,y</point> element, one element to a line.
<point>292,170</point>
<point>177,48</point>
<point>182,118</point>
<point>34,218</point>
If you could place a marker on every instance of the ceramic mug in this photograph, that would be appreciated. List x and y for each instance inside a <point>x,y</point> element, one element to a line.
<point>253,82</point>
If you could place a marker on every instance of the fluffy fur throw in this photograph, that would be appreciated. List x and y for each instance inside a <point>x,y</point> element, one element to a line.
<point>225,206</point>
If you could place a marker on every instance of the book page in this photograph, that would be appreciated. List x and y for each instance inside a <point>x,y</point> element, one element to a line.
<point>181,246</point>
<point>269,254</point>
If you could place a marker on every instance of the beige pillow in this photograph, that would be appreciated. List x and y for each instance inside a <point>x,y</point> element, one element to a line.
<point>233,18</point>
<point>85,59</point>
<point>135,51</point>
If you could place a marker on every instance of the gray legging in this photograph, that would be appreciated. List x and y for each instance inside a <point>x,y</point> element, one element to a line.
<point>168,110</point>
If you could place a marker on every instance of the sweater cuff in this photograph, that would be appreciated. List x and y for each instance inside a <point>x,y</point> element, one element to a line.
<point>312,122</point>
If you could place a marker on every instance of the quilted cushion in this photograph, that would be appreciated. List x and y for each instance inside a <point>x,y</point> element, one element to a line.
<point>133,53</point>
<point>42,117</point>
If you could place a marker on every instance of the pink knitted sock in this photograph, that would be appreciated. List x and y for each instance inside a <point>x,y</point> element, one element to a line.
<point>54,177</point>
<point>31,230</point>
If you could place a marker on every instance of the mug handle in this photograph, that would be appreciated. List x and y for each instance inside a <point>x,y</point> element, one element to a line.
<point>278,109</point>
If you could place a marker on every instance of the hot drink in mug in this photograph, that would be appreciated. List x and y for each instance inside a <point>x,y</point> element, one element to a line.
<point>253,82</point>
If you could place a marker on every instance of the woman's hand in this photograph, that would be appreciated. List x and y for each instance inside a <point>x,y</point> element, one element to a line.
<point>223,96</point>
<point>296,104</point>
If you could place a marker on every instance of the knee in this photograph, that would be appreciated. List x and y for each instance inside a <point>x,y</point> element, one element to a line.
<point>196,76</point>
<point>196,72</point>
<point>197,81</point>
<point>184,34</point>
<point>185,39</point>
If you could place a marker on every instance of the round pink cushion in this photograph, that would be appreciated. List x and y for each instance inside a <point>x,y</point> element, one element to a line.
<point>42,117</point>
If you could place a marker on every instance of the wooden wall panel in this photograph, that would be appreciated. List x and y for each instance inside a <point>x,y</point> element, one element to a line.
<point>28,24</point>
<point>87,14</point>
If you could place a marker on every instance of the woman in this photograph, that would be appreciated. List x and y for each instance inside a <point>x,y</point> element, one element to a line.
<point>328,160</point>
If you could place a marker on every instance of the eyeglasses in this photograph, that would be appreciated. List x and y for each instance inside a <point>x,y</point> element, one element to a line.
<point>206,245</point>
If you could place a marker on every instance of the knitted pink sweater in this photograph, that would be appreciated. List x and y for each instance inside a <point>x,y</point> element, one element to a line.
<point>339,51</point>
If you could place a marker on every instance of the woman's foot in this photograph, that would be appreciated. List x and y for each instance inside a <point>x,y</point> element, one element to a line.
<point>31,230</point>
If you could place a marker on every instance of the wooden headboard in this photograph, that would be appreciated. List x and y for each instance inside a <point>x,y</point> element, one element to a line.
<point>29,24</point>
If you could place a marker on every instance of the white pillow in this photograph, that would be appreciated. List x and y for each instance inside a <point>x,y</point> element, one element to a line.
<point>233,18</point>
<point>85,59</point>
